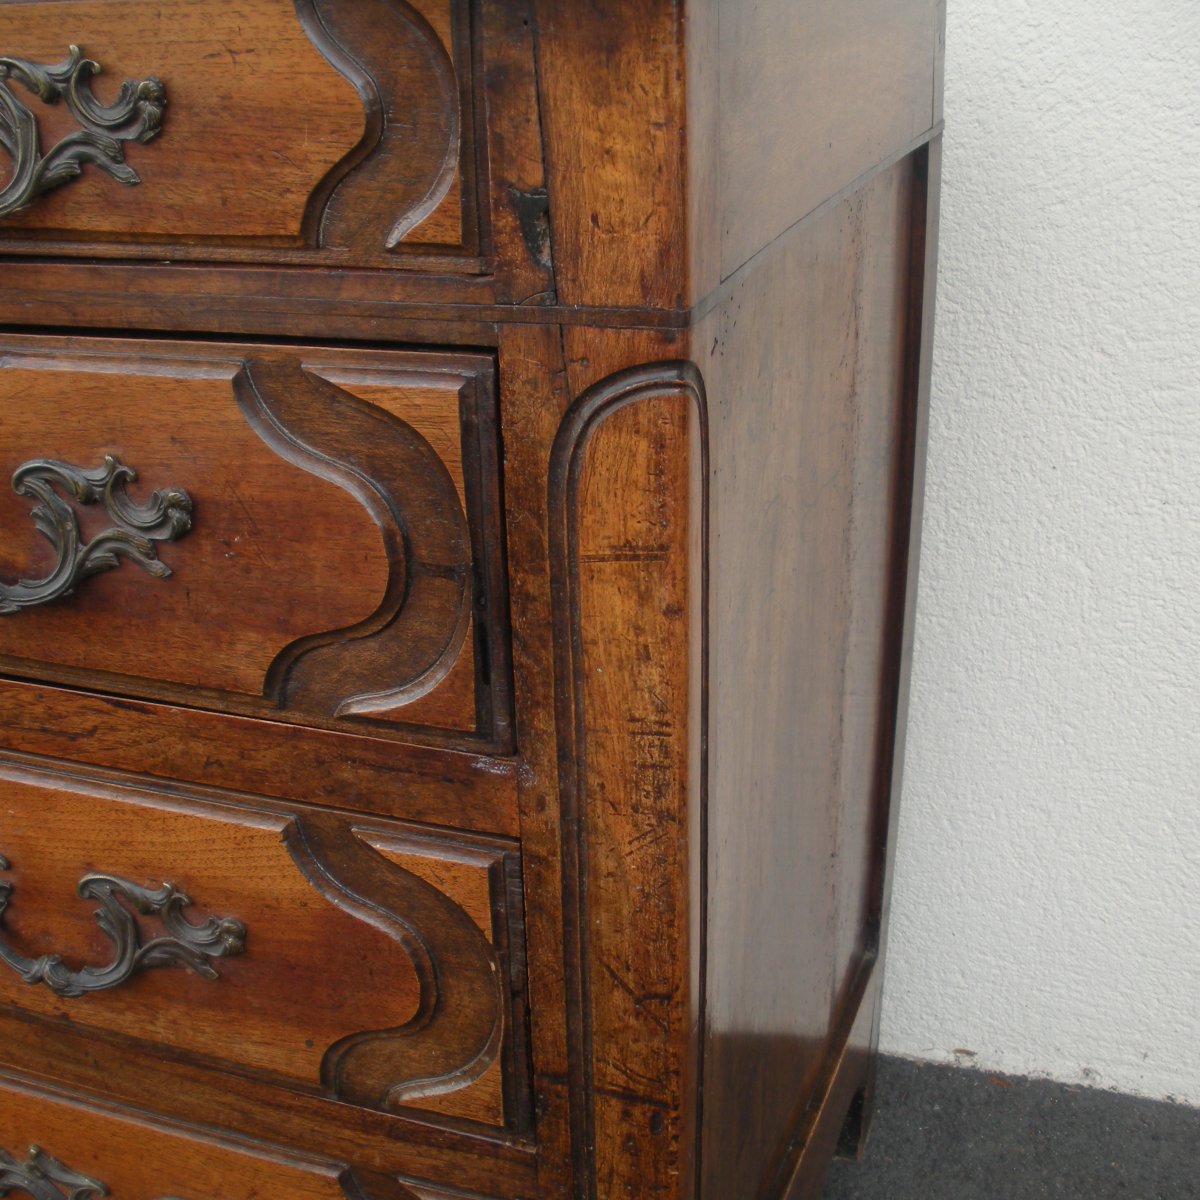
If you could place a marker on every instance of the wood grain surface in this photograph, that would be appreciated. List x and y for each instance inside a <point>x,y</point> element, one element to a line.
<point>617,120</point>
<point>856,84</point>
<point>806,370</point>
<point>335,768</point>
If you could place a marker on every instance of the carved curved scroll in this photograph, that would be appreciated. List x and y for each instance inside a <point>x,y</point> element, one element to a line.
<point>136,116</point>
<point>165,517</point>
<point>457,1030</point>
<point>407,160</point>
<point>45,1178</point>
<point>416,634</point>
<point>185,944</point>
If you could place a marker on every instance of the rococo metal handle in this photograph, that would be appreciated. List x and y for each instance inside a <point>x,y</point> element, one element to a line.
<point>166,516</point>
<point>136,116</point>
<point>186,944</point>
<point>44,1178</point>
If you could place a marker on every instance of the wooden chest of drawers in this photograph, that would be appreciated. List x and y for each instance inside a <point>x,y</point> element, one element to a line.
<point>455,590</point>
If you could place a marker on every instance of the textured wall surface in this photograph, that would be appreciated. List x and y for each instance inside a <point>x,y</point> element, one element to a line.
<point>1047,903</point>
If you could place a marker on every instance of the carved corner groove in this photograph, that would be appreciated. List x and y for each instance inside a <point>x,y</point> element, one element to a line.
<point>185,944</point>
<point>457,1031</point>
<point>420,626</point>
<point>136,116</point>
<point>582,420</point>
<point>406,162</point>
<point>165,517</point>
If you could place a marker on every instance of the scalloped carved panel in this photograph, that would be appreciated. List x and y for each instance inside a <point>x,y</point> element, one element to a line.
<point>343,562</point>
<point>375,966</point>
<point>295,130</point>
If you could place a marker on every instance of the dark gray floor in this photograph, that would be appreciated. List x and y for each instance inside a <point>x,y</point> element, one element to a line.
<point>941,1133</point>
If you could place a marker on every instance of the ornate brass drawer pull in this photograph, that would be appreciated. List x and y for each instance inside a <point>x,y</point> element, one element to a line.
<point>45,1178</point>
<point>136,116</point>
<point>186,944</point>
<point>164,518</point>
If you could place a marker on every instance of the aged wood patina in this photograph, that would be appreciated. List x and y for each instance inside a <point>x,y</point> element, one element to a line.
<point>457,589</point>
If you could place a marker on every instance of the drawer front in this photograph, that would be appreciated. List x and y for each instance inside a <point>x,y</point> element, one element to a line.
<point>52,1145</point>
<point>306,131</point>
<point>363,961</point>
<point>302,533</point>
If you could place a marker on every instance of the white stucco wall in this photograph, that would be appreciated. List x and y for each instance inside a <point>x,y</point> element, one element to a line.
<point>1046,912</point>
